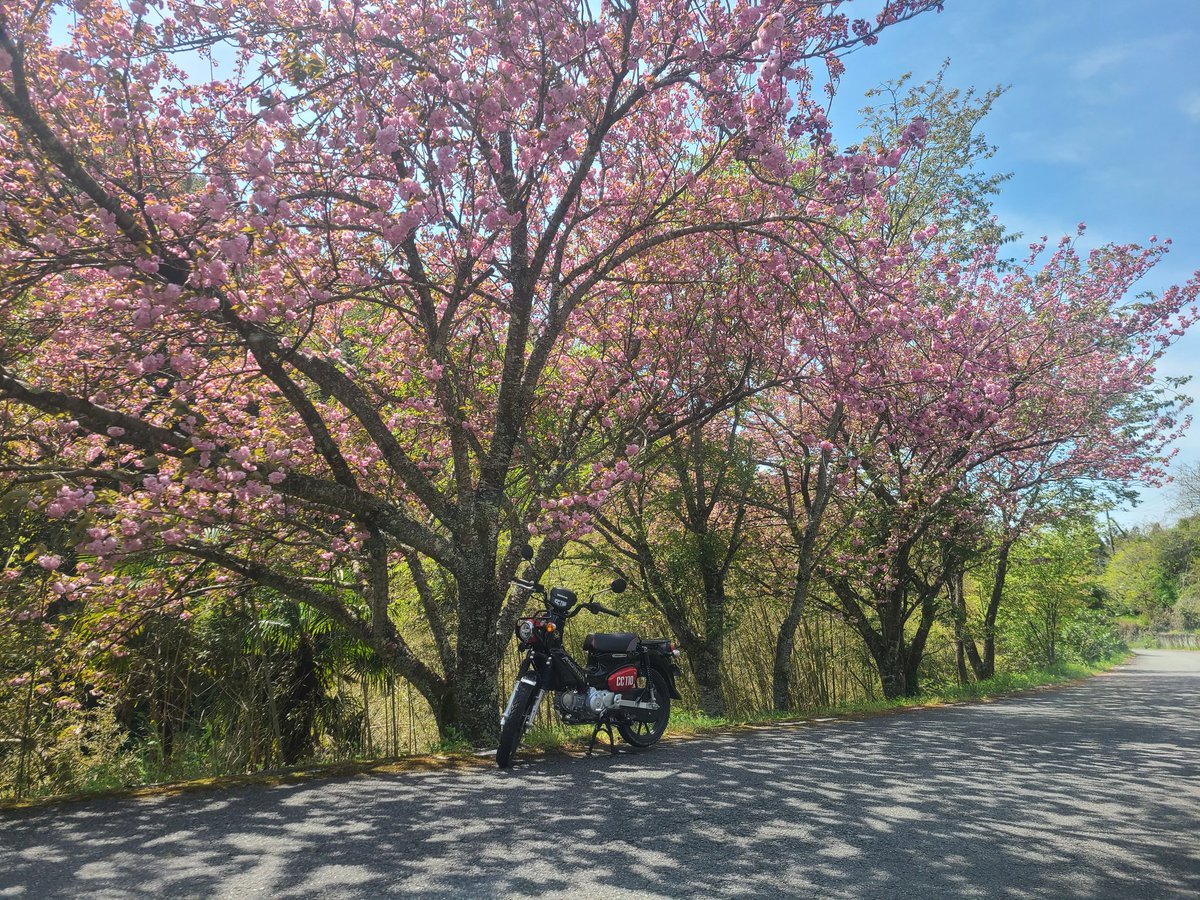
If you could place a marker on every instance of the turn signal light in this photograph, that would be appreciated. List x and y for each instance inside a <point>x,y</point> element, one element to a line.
<point>549,627</point>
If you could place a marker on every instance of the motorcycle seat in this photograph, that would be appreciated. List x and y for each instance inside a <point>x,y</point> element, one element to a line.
<point>618,642</point>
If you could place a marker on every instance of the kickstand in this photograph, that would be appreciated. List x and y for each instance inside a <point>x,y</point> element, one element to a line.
<point>612,741</point>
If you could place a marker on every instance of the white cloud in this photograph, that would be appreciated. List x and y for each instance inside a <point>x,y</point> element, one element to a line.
<point>1096,61</point>
<point>1058,147</point>
<point>1112,56</point>
<point>1190,105</point>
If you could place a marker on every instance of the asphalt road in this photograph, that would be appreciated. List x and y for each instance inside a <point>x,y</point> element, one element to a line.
<point>1086,791</point>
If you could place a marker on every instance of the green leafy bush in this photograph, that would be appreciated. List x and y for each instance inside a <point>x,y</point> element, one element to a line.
<point>1090,636</point>
<point>1185,614</point>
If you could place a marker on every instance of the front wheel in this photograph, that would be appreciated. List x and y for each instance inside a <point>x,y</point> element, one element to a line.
<point>646,734</point>
<point>520,710</point>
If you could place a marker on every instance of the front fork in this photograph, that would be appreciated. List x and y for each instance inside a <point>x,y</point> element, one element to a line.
<point>523,677</point>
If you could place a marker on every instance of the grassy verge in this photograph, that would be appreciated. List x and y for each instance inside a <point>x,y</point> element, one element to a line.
<point>684,723</point>
<point>1187,641</point>
<point>293,775</point>
<point>688,722</point>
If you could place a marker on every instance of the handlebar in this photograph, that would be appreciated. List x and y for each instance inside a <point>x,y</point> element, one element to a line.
<point>529,585</point>
<point>592,606</point>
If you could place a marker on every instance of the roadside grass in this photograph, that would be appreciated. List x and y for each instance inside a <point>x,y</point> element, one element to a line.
<point>113,789</point>
<point>1188,641</point>
<point>193,774</point>
<point>690,722</point>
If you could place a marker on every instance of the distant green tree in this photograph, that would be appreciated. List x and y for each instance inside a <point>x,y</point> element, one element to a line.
<point>1051,582</point>
<point>1152,569</point>
<point>949,183</point>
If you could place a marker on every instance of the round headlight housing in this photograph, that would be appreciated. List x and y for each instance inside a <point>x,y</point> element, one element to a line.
<point>526,631</point>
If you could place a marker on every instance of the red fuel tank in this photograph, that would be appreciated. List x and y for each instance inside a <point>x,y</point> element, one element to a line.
<point>623,679</point>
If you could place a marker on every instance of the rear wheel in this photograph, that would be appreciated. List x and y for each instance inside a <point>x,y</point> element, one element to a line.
<point>646,734</point>
<point>513,729</point>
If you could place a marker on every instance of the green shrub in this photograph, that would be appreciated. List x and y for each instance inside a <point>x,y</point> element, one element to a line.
<point>1090,636</point>
<point>1185,614</point>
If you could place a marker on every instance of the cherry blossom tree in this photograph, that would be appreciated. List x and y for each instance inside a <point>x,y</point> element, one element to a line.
<point>686,524</point>
<point>1120,439</point>
<point>388,295</point>
<point>1004,381</point>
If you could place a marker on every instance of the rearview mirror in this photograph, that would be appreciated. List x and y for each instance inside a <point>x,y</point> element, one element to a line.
<point>618,586</point>
<point>526,553</point>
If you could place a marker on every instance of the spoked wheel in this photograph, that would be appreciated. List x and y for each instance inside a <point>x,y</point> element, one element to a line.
<point>646,734</point>
<point>524,699</point>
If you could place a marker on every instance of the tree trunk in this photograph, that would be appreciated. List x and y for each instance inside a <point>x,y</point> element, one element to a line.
<point>469,705</point>
<point>975,659</point>
<point>897,658</point>
<point>299,704</point>
<point>708,667</point>
<point>915,651</point>
<point>898,663</point>
<point>1052,635</point>
<point>806,547</point>
<point>704,656</point>
<point>893,670</point>
<point>706,659</point>
<point>477,704</point>
<point>785,641</point>
<point>987,668</point>
<point>958,610</point>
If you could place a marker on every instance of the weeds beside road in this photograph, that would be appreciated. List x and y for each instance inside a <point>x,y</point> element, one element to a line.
<point>684,724</point>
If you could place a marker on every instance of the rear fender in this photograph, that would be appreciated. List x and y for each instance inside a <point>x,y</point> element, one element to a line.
<point>668,670</point>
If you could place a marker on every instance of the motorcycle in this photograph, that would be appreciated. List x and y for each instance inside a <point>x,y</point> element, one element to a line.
<point>627,682</point>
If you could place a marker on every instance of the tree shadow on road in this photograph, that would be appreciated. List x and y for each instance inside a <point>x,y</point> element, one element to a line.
<point>1090,791</point>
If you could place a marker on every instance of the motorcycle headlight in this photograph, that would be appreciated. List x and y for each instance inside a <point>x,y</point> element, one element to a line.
<point>525,631</point>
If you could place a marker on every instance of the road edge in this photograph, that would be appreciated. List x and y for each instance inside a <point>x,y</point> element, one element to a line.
<point>446,762</point>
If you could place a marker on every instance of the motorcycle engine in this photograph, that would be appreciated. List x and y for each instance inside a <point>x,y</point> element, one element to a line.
<point>572,706</point>
<point>577,707</point>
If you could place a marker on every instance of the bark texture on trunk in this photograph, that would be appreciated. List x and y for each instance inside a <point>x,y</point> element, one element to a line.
<point>987,665</point>
<point>785,641</point>
<point>706,668</point>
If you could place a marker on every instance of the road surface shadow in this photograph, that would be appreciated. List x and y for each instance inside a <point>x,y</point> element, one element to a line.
<point>1089,791</point>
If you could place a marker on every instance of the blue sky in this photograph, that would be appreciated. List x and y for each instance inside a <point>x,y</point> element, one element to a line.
<point>1101,124</point>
